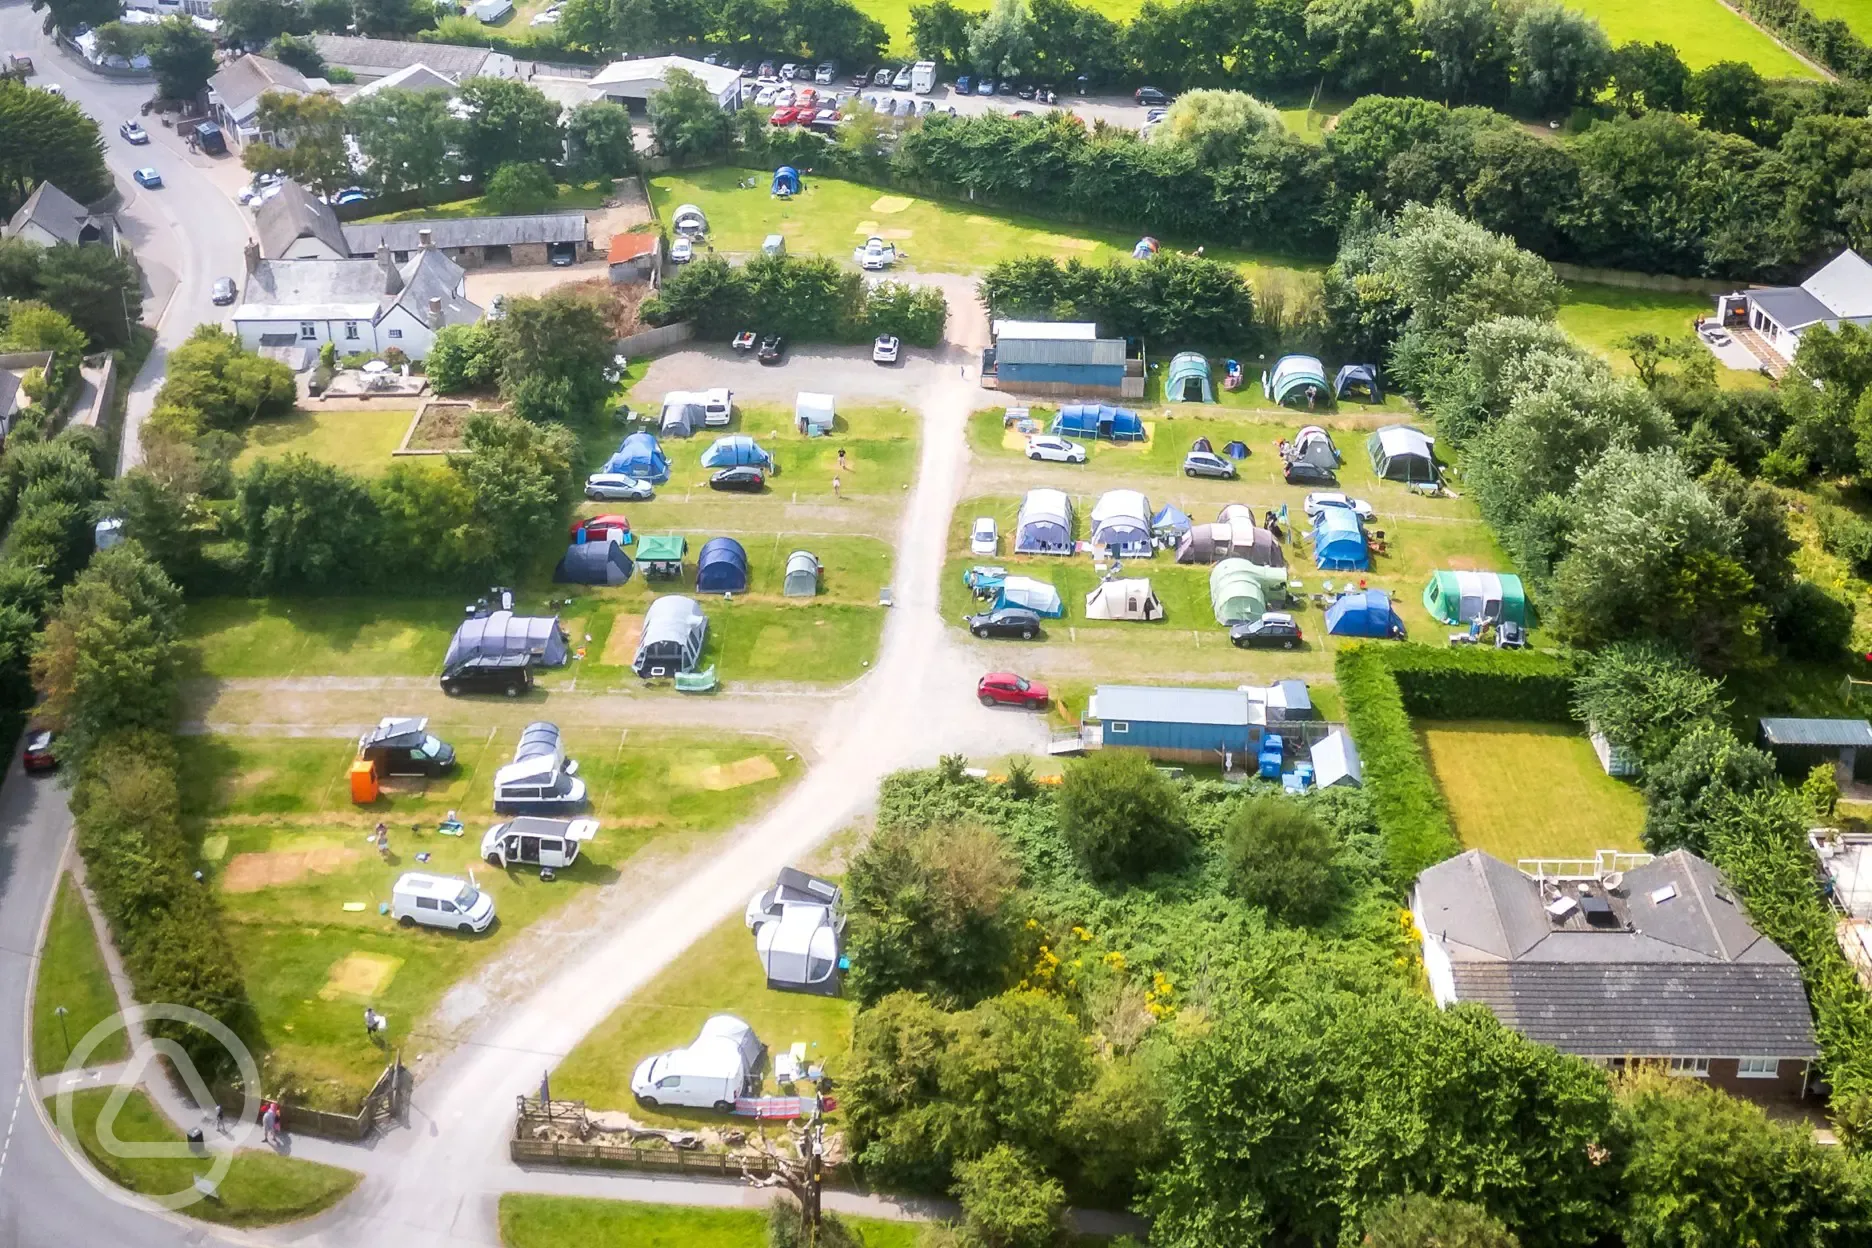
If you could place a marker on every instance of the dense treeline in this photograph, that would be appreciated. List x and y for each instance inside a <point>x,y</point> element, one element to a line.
<point>808,298</point>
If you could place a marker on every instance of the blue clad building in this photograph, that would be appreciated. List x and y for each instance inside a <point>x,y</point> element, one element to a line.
<point>1058,357</point>
<point>1190,725</point>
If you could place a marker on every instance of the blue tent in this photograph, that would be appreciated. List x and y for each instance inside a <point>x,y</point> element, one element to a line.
<point>1339,541</point>
<point>735,450</point>
<point>593,563</point>
<point>786,180</point>
<point>1356,377</point>
<point>1367,613</point>
<point>1170,521</point>
<point>1097,420</point>
<point>640,455</point>
<point>721,568</point>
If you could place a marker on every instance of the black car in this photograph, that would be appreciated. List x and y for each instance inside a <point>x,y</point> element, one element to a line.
<point>1005,87</point>
<point>746,477</point>
<point>1275,630</point>
<point>224,292</point>
<point>863,77</point>
<point>1296,473</point>
<point>403,746</point>
<point>746,70</point>
<point>772,349</point>
<point>503,673</point>
<point>1025,91</point>
<point>1005,622</point>
<point>1150,96</point>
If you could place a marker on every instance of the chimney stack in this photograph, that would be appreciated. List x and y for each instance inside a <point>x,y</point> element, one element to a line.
<point>251,253</point>
<point>393,280</point>
<point>426,237</point>
<point>435,311</point>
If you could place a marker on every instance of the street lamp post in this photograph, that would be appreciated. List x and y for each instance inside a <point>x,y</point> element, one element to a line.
<point>61,1011</point>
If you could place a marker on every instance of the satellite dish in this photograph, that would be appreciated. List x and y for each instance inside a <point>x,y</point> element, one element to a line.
<point>1614,880</point>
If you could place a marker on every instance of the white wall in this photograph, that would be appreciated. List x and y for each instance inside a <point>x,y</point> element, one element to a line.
<point>1436,960</point>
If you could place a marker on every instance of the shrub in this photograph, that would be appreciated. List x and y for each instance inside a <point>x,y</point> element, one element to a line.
<point>1844,534</point>
<point>1644,696</point>
<point>1813,624</point>
<point>464,357</point>
<point>1280,857</point>
<point>915,314</point>
<point>807,298</point>
<point>1477,683</point>
<point>1008,1201</point>
<point>1404,795</point>
<point>1420,1221</point>
<point>1684,789</point>
<point>1122,817</point>
<point>517,189</point>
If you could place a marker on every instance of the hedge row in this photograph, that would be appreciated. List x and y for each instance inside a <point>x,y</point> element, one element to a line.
<point>1829,41</point>
<point>1474,682</point>
<point>1404,795</point>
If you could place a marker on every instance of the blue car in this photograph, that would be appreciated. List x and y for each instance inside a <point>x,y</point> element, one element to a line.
<point>962,84</point>
<point>148,177</point>
<point>985,87</point>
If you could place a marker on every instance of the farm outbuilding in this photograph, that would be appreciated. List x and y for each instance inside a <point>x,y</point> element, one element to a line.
<point>1236,592</point>
<point>1121,522</point>
<point>722,567</point>
<point>1401,453</point>
<point>1045,524</point>
<point>1187,380</point>
<point>1367,613</point>
<point>641,456</point>
<point>1339,542</point>
<point>1300,378</point>
<point>802,575</point>
<point>1799,745</point>
<point>593,563</point>
<point>1059,357</point>
<point>1124,600</point>
<point>501,633</point>
<point>1459,597</point>
<point>1036,596</point>
<point>1098,420</point>
<point>674,632</point>
<point>735,450</point>
<point>814,414</point>
<point>1176,724</point>
<point>1336,762</point>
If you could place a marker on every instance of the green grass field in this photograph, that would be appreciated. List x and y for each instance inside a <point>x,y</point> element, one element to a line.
<point>358,442</point>
<point>1599,317</point>
<point>880,445</point>
<point>588,195</point>
<point>72,975</point>
<point>719,973</point>
<point>287,851</point>
<point>1522,790</point>
<point>261,1188</point>
<point>555,1221</point>
<point>1855,13</point>
<point>1702,31</point>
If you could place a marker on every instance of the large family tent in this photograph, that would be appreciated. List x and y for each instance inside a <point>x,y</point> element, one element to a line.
<point>1293,377</point>
<point>1037,596</point>
<point>674,630</point>
<point>1314,447</point>
<point>1188,380</point>
<point>1121,522</point>
<point>1367,613</point>
<point>641,456</point>
<point>1401,453</point>
<point>1123,600</point>
<point>1236,592</point>
<point>1459,597</point>
<point>1206,543</point>
<point>721,568</point>
<point>802,575</point>
<point>683,414</point>
<point>814,414</point>
<point>1339,541</point>
<point>734,450</point>
<point>1358,380</point>
<point>1336,762</point>
<point>501,633</point>
<point>688,219</point>
<point>1099,420</point>
<point>1045,524</point>
<point>1169,523</point>
<point>593,563</point>
<point>786,180</point>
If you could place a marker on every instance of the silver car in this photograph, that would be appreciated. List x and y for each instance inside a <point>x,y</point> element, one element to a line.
<point>1208,464</point>
<point>618,486</point>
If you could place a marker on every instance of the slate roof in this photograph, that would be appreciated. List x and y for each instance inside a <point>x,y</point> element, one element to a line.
<point>1791,307</point>
<point>57,213</point>
<point>1165,704</point>
<point>551,227</point>
<point>293,214</point>
<point>241,83</point>
<point>409,78</point>
<point>378,57</point>
<point>9,391</point>
<point>362,290</point>
<point>1825,733</point>
<point>1103,352</point>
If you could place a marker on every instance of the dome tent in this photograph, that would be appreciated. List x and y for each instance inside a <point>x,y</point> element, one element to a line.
<point>593,563</point>
<point>1187,381</point>
<point>1352,378</point>
<point>1459,597</point>
<point>1367,613</point>
<point>722,567</point>
<point>1339,542</point>
<point>640,456</point>
<point>1045,524</point>
<point>786,181</point>
<point>802,575</point>
<point>1170,522</point>
<point>734,450</point>
<point>1291,378</point>
<point>1235,592</point>
<point>1121,521</point>
<point>1401,453</point>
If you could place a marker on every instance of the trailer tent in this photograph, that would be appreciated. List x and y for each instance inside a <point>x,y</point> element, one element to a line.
<point>501,633</point>
<point>734,450</point>
<point>1339,541</point>
<point>813,413</point>
<point>1236,592</point>
<point>786,180</point>
<point>1099,420</point>
<point>1123,600</point>
<point>1367,613</point>
<point>1121,522</point>
<point>1314,447</point>
<point>593,563</point>
<point>1292,377</point>
<point>683,414</point>
<point>721,568</point>
<point>1188,380</point>
<point>1037,596</point>
<point>1459,597</point>
<point>1401,453</point>
<point>688,219</point>
<point>640,456</point>
<point>802,575</point>
<point>1045,524</point>
<point>674,630</point>
<point>1354,378</point>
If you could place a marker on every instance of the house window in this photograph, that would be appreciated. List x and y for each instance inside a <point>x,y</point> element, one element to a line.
<point>308,330</point>
<point>1690,1067</point>
<point>350,329</point>
<point>396,333</point>
<point>1758,1067</point>
<point>1118,728</point>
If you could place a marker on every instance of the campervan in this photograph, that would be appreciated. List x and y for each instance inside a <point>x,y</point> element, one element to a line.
<point>540,779</point>
<point>715,1069</point>
<point>440,901</point>
<point>530,841</point>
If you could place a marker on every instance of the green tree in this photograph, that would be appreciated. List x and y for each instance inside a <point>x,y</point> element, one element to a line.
<point>257,23</point>
<point>48,138</point>
<point>1216,125</point>
<point>561,340</point>
<point>1561,57</point>
<point>1649,76</point>
<point>508,123</point>
<point>393,17</point>
<point>183,56</point>
<point>99,290</point>
<point>1280,857</point>
<point>1821,790</point>
<point>302,54</point>
<point>516,190</point>
<point>521,477</point>
<point>1008,1201</point>
<point>224,384</point>
<point>464,357</point>
<point>940,31</point>
<point>1001,45</point>
<point>427,529</point>
<point>1698,779</point>
<point>314,125</point>
<point>160,517</point>
<point>69,15</point>
<point>1470,46</point>
<point>598,141</point>
<point>304,523</point>
<point>1121,816</point>
<point>406,141</point>
<point>686,120</point>
<point>1645,697</point>
<point>1420,1221</point>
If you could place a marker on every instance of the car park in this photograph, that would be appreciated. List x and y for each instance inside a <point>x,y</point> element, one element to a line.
<point>772,349</point>
<point>1319,500</point>
<point>681,251</point>
<point>1208,464</point>
<point>419,898</point>
<point>533,841</point>
<point>510,674</point>
<point>984,538</point>
<point>1055,450</point>
<point>885,349</point>
<point>1008,689</point>
<point>1150,96</point>
<point>1005,622</point>
<point>1275,629</point>
<point>224,292</point>
<point>402,745</point>
<point>618,486</point>
<point>37,757</point>
<point>133,133</point>
<point>147,177</point>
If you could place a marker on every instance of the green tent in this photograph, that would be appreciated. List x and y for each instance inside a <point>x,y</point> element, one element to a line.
<point>1292,376</point>
<point>1237,591</point>
<point>1459,597</point>
<point>1188,380</point>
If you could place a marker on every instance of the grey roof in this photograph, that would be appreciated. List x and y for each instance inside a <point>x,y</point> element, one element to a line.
<point>1790,306</point>
<point>296,213</point>
<point>1165,704</point>
<point>242,82</point>
<point>1097,351</point>
<point>354,290</point>
<point>1830,733</point>
<point>57,213</point>
<point>9,391</point>
<point>551,227</point>
<point>378,57</point>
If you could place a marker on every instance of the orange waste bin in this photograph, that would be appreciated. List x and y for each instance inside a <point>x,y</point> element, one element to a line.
<point>364,786</point>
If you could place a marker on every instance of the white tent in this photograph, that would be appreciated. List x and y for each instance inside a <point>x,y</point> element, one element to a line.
<point>1121,519</point>
<point>1123,600</point>
<point>1336,761</point>
<point>688,219</point>
<point>799,951</point>
<point>813,413</point>
<point>671,640</point>
<point>802,575</point>
<point>1045,524</point>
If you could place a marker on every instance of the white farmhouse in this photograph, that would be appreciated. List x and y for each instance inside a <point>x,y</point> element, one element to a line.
<point>359,305</point>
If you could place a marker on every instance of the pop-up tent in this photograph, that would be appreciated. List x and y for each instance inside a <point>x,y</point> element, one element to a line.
<point>1366,613</point>
<point>1045,524</point>
<point>1314,447</point>
<point>1358,381</point>
<point>721,568</point>
<point>674,630</point>
<point>1123,600</point>
<point>1121,522</point>
<point>1097,420</point>
<point>1037,596</point>
<point>641,456</point>
<point>500,633</point>
<point>734,450</point>
<point>682,415</point>
<point>813,413</point>
<point>688,219</point>
<point>593,563</point>
<point>1236,592</point>
<point>1401,453</point>
<point>786,180</point>
<point>1236,449</point>
<point>1144,248</point>
<point>1188,380</point>
<point>1170,523</point>
<point>1459,597</point>
<point>1336,762</point>
<point>1339,541</point>
<point>1292,377</point>
<point>802,575</point>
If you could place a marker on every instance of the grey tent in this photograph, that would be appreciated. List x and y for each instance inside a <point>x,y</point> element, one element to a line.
<point>682,416</point>
<point>502,633</point>
<point>802,575</point>
<point>1401,453</point>
<point>1314,447</point>
<point>1352,378</point>
<point>674,631</point>
<point>593,563</point>
<point>1045,524</point>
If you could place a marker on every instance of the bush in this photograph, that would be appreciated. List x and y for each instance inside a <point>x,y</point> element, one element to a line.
<point>1813,624</point>
<point>1420,1221</point>
<point>1404,796</point>
<point>516,190</point>
<point>1473,682</point>
<point>1008,1201</point>
<point>464,357</point>
<point>1122,817</point>
<point>1844,534</point>
<point>1280,857</point>
<point>1644,696</point>
<point>915,314</point>
<point>809,299</point>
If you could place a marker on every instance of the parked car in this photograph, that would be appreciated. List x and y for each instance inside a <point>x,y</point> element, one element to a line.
<point>713,58</point>
<point>224,292</point>
<point>133,133</point>
<point>1056,450</point>
<point>863,77</point>
<point>618,485</point>
<point>962,84</point>
<point>827,71</point>
<point>37,756</point>
<point>1007,689</point>
<point>1208,464</point>
<point>1005,622</point>
<point>440,901</point>
<point>783,116</point>
<point>1025,91</point>
<point>1275,629</point>
<point>885,349</point>
<point>402,745</point>
<point>530,841</point>
<point>883,76</point>
<point>804,73</point>
<point>902,78</point>
<point>1005,87</point>
<point>745,477</point>
<point>147,177</point>
<point>1150,96</point>
<point>1319,500</point>
<point>681,250</point>
<point>806,95</point>
<point>984,538</point>
<point>1156,115</point>
<point>787,70</point>
<point>926,107</point>
<point>1301,473</point>
<point>746,70</point>
<point>744,341</point>
<point>772,349</point>
<point>540,780</point>
<point>765,97</point>
<point>766,70</point>
<point>502,673</point>
<point>984,86</point>
<point>712,1073</point>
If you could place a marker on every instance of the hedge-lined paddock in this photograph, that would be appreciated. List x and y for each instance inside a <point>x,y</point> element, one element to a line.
<point>1404,795</point>
<point>1475,682</point>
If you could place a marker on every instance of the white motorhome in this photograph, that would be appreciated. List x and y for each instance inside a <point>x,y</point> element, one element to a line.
<point>710,1073</point>
<point>440,901</point>
<point>529,841</point>
<point>923,77</point>
<point>541,780</point>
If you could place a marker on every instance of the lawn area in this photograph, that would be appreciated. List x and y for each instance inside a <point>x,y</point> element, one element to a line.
<point>587,195</point>
<point>261,1188</point>
<point>1702,31</point>
<point>1855,13</point>
<point>1523,790</point>
<point>287,852</point>
<point>718,974</point>
<point>358,442</point>
<point>1599,317</point>
<point>322,636</point>
<point>554,1221</point>
<point>880,445</point>
<point>72,974</point>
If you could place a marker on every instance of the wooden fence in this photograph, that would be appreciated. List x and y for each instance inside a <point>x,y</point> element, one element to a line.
<point>387,1101</point>
<point>652,341</point>
<point>662,1160</point>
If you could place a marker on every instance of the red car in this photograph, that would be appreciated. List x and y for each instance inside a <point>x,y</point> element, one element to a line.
<point>783,116</point>
<point>37,757</point>
<point>595,526</point>
<point>1007,689</point>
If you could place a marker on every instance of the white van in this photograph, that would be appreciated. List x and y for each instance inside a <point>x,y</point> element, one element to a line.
<point>923,77</point>
<point>533,842</point>
<point>541,780</point>
<point>440,901</point>
<point>715,1069</point>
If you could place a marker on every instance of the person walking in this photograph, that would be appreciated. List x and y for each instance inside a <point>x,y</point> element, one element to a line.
<point>841,459</point>
<point>835,488</point>
<point>220,1120</point>
<point>270,1124</point>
